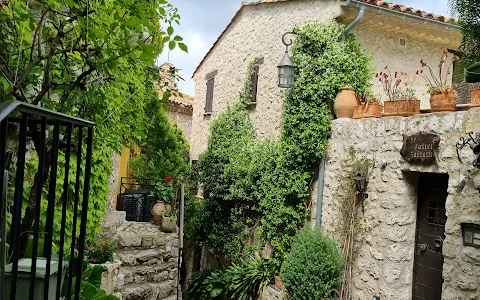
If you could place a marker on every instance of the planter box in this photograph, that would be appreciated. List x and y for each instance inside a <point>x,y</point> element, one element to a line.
<point>443,101</point>
<point>169,225</point>
<point>23,279</point>
<point>369,110</point>
<point>404,108</point>
<point>475,102</point>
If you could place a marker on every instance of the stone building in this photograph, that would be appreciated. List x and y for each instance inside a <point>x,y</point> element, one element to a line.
<point>399,37</point>
<point>180,106</point>
<point>412,244</point>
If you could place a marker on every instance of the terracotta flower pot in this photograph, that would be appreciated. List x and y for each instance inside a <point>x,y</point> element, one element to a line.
<point>368,110</point>
<point>278,282</point>
<point>404,108</point>
<point>158,209</point>
<point>475,97</point>
<point>345,102</point>
<point>443,101</point>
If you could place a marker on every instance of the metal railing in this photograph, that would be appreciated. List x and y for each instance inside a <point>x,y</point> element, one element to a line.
<point>50,133</point>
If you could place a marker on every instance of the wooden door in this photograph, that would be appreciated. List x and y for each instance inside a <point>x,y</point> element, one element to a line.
<point>431,219</point>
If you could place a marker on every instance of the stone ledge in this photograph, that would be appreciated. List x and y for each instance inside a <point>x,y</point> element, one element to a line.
<point>440,122</point>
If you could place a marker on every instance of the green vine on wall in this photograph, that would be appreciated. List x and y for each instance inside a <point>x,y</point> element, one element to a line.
<point>350,222</point>
<point>257,191</point>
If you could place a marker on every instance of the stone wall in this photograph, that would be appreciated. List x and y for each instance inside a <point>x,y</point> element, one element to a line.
<point>257,31</point>
<point>184,121</point>
<point>113,180</point>
<point>147,260</point>
<point>384,265</point>
<point>272,293</point>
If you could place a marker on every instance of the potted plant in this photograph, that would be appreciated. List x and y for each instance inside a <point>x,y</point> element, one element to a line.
<point>398,87</point>
<point>100,252</point>
<point>369,107</point>
<point>169,221</point>
<point>164,193</point>
<point>442,96</point>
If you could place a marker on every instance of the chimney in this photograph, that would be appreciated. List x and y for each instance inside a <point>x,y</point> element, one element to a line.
<point>167,75</point>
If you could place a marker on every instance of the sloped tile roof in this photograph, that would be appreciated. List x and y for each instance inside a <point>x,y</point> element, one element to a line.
<point>379,3</point>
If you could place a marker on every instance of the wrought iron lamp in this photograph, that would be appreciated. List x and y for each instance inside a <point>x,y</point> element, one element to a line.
<point>286,66</point>
<point>361,182</point>
<point>473,141</point>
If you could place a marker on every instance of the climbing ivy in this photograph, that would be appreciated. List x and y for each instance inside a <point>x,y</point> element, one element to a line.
<point>257,192</point>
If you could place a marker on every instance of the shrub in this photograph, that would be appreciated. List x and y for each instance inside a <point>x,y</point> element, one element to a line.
<point>242,281</point>
<point>100,252</point>
<point>312,270</point>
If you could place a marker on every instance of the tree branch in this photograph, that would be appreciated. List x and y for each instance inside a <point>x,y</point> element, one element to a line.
<point>76,84</point>
<point>46,81</point>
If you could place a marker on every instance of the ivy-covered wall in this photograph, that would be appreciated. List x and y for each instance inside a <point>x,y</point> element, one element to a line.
<point>257,191</point>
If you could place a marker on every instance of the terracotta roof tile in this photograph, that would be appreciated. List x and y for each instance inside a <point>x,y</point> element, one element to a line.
<point>384,4</point>
<point>186,100</point>
<point>379,3</point>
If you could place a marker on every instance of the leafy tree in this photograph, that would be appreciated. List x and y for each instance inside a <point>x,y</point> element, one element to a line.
<point>91,59</point>
<point>468,12</point>
<point>164,150</point>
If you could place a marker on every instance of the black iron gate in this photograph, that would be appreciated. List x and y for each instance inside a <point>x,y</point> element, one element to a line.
<point>47,133</point>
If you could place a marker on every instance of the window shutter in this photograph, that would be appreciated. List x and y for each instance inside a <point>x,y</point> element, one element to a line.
<point>209,96</point>
<point>254,84</point>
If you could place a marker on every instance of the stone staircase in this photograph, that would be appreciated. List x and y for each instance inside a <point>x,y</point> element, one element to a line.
<point>149,259</point>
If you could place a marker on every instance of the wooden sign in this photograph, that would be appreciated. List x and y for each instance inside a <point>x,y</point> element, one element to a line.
<point>420,147</point>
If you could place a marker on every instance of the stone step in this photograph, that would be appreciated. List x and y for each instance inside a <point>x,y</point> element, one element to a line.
<point>136,234</point>
<point>172,297</point>
<point>156,273</point>
<point>148,291</point>
<point>112,221</point>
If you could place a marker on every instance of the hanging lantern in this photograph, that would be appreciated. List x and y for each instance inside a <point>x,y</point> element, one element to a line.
<point>285,72</point>
<point>286,67</point>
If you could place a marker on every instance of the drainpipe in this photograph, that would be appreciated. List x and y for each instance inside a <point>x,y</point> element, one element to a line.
<point>400,15</point>
<point>321,180</point>
<point>361,14</point>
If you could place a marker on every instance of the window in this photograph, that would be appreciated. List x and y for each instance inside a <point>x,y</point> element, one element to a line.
<point>254,84</point>
<point>254,90</point>
<point>209,95</point>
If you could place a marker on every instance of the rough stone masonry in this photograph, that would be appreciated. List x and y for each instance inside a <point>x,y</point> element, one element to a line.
<point>148,260</point>
<point>384,265</point>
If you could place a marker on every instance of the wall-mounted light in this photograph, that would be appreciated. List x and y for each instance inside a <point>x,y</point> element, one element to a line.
<point>473,141</point>
<point>361,183</point>
<point>471,234</point>
<point>286,68</point>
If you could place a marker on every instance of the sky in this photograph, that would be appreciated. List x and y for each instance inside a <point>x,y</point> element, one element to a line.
<point>202,21</point>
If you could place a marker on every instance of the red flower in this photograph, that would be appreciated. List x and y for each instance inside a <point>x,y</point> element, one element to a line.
<point>376,75</point>
<point>101,250</point>
<point>168,179</point>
